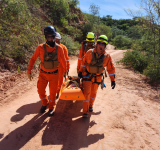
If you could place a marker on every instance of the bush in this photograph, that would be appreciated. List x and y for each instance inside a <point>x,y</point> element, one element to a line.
<point>20,32</point>
<point>73,3</point>
<point>63,22</point>
<point>71,30</point>
<point>153,70</point>
<point>135,59</point>
<point>102,30</point>
<point>88,27</point>
<point>116,31</point>
<point>70,44</point>
<point>136,45</point>
<point>59,9</point>
<point>122,42</point>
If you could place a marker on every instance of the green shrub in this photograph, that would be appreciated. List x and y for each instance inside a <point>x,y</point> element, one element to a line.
<point>71,30</point>
<point>20,32</point>
<point>70,44</point>
<point>116,31</point>
<point>122,42</point>
<point>63,22</point>
<point>102,29</point>
<point>73,3</point>
<point>153,70</point>
<point>88,27</point>
<point>135,59</point>
<point>136,45</point>
<point>59,9</point>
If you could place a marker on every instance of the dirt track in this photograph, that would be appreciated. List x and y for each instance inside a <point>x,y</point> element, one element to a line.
<point>126,118</point>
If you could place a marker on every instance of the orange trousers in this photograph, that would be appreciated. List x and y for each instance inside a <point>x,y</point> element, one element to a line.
<point>60,80</point>
<point>43,80</point>
<point>90,92</point>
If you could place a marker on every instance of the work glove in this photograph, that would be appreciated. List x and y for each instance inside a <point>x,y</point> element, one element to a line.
<point>113,84</point>
<point>80,75</point>
<point>30,77</point>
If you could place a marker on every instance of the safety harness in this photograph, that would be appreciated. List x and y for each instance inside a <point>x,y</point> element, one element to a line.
<point>95,66</point>
<point>50,58</point>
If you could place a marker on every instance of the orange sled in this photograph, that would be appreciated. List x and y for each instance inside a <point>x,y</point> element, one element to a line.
<point>71,89</point>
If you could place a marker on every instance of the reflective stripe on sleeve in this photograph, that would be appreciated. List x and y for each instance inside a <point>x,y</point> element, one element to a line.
<point>86,101</point>
<point>83,65</point>
<point>92,98</point>
<point>111,74</point>
<point>80,58</point>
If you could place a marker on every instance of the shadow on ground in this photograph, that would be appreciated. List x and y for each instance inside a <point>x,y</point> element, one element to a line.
<point>66,127</point>
<point>28,109</point>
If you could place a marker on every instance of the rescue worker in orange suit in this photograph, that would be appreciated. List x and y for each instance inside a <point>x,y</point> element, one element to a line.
<point>91,71</point>
<point>61,71</point>
<point>86,45</point>
<point>51,55</point>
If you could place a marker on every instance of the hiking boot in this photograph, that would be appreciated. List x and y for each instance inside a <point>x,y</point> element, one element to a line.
<point>43,108</point>
<point>85,115</point>
<point>90,109</point>
<point>50,112</point>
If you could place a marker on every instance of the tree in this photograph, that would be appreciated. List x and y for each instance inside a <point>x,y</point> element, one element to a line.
<point>95,12</point>
<point>108,21</point>
<point>149,16</point>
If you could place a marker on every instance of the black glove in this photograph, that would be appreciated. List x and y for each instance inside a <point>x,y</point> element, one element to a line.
<point>113,84</point>
<point>80,74</point>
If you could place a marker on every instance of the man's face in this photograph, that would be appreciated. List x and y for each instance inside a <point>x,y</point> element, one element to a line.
<point>57,41</point>
<point>100,47</point>
<point>50,38</point>
<point>89,43</point>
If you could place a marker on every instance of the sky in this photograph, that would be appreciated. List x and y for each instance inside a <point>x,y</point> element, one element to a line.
<point>114,8</point>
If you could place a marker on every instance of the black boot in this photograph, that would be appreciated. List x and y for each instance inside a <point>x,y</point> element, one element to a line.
<point>50,112</point>
<point>85,115</point>
<point>90,109</point>
<point>43,108</point>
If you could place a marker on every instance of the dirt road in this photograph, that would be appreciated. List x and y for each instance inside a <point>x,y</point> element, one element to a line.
<point>126,118</point>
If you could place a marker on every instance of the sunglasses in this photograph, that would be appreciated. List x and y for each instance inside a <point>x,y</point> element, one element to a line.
<point>103,44</point>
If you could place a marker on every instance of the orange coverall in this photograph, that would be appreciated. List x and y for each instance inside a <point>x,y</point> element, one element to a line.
<point>89,87</point>
<point>81,54</point>
<point>61,70</point>
<point>44,78</point>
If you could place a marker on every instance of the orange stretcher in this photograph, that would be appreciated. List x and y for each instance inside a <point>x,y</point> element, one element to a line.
<point>71,89</point>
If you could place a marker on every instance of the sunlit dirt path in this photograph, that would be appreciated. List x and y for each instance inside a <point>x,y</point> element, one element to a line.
<point>126,118</point>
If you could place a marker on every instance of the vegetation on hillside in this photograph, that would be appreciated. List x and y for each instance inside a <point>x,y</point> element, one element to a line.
<point>22,23</point>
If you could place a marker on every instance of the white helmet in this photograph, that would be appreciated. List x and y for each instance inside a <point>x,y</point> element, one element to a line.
<point>58,36</point>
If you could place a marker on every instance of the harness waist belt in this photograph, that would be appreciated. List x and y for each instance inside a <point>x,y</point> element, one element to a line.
<point>50,72</point>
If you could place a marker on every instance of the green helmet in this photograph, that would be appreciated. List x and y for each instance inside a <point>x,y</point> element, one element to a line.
<point>90,37</point>
<point>102,38</point>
